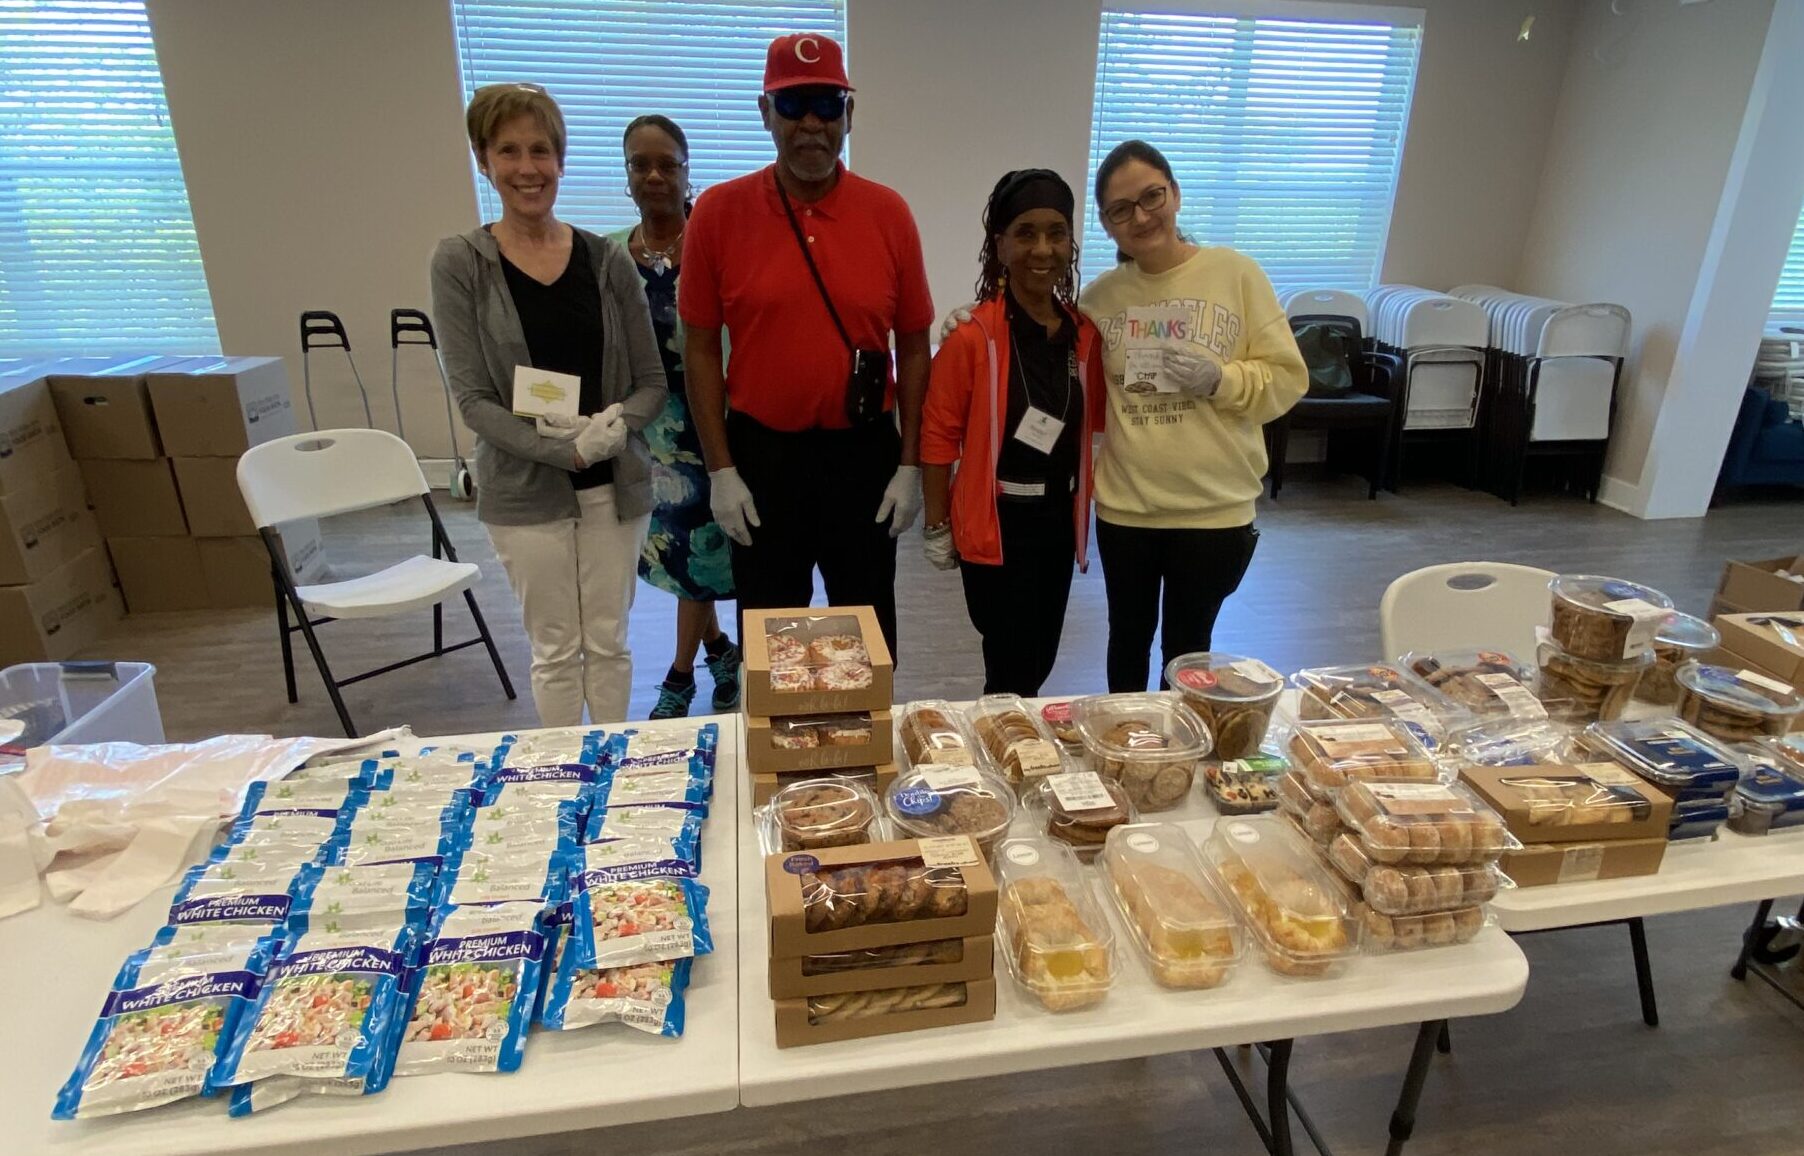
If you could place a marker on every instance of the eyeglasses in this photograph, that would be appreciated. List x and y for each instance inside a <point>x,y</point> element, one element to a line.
<point>664,166</point>
<point>796,103</point>
<point>1149,202</point>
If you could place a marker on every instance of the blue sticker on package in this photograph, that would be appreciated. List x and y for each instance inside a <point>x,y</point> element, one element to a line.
<point>617,923</point>
<point>325,1010</point>
<point>162,1029</point>
<point>473,993</point>
<point>646,996</point>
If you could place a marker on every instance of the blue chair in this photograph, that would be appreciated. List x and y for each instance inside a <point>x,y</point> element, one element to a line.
<point>1766,448</point>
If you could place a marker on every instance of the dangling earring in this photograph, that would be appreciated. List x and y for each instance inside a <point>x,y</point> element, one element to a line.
<point>1002,281</point>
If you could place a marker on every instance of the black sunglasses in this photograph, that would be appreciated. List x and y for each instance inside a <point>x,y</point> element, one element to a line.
<point>796,103</point>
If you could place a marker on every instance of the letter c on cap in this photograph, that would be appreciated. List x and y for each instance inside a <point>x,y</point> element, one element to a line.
<point>803,57</point>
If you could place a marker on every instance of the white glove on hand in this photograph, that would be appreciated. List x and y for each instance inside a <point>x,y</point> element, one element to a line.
<point>937,545</point>
<point>602,437</point>
<point>732,505</point>
<point>556,425</point>
<point>1192,373</point>
<point>901,500</point>
<point>956,318</point>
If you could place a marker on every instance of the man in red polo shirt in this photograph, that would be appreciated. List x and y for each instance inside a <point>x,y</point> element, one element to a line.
<point>806,462</point>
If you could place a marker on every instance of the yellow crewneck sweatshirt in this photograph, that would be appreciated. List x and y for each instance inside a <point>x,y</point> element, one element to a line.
<point>1169,460</point>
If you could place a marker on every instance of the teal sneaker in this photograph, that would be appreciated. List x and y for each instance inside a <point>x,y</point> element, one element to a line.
<point>673,701</point>
<point>724,668</point>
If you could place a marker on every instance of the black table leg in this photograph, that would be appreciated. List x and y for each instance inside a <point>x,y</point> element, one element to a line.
<point>1403,1120</point>
<point>1246,1100</point>
<point>1644,975</point>
<point>1277,1096</point>
<point>1445,1044</point>
<point>1750,937</point>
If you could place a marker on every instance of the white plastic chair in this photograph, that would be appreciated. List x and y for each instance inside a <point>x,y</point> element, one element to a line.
<point>341,471</point>
<point>1465,605</point>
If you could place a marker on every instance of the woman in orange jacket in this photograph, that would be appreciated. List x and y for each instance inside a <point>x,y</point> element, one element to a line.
<point>1015,400</point>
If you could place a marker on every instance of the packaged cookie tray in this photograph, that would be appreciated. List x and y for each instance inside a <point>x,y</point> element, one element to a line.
<point>1298,911</point>
<point>1078,809</point>
<point>1151,743</point>
<point>809,661</point>
<point>933,732</point>
<point>1518,744</point>
<point>1058,720</point>
<point>1333,753</point>
<point>1316,818</point>
<point>1181,925</point>
<point>1698,819</point>
<point>1577,689</point>
<point>1771,797</point>
<point>1381,690</point>
<point>1670,753</point>
<point>1424,824</point>
<point>930,801</point>
<point>1387,933</point>
<point>1489,683</point>
<point>877,895</point>
<point>1400,889</point>
<point>856,1015</point>
<point>1736,705</point>
<point>901,965</point>
<point>1012,738</point>
<point>1056,943</point>
<point>818,742</point>
<point>1245,786</point>
<point>1606,619</point>
<point>1233,695</point>
<point>823,812</point>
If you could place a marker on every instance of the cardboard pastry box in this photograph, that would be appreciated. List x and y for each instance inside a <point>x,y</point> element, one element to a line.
<point>1756,586</point>
<point>795,977</point>
<point>1582,862</point>
<point>762,753</point>
<point>789,934</point>
<point>1523,794</point>
<point>800,644</point>
<point>1771,643</point>
<point>794,1026</point>
<point>766,784</point>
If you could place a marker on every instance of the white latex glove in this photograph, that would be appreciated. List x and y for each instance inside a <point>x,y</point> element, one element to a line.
<point>731,503</point>
<point>1192,373</point>
<point>937,545</point>
<point>556,425</point>
<point>901,500</point>
<point>956,318</point>
<point>602,437</point>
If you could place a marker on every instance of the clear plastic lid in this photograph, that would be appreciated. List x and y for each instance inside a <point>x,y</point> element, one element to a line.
<point>1378,691</point>
<point>1151,743</point>
<point>1332,753</point>
<point>1316,817</point>
<point>1056,942</point>
<point>1489,683</point>
<point>1234,697</point>
<point>1581,795</point>
<point>1605,618</point>
<point>902,955</point>
<point>1245,786</point>
<point>803,733</point>
<point>1518,743</point>
<point>1423,823</point>
<point>1736,704</point>
<point>1175,914</point>
<point>1393,889</point>
<point>1058,720</point>
<point>1079,808</point>
<point>929,801</point>
<point>1669,752</point>
<point>1015,743</point>
<point>1579,689</point>
<point>816,640</point>
<point>1409,932</point>
<point>1298,911</point>
<point>1596,592</point>
<point>1683,631</point>
<point>934,732</point>
<point>1774,784</point>
<point>889,891</point>
<point>825,812</point>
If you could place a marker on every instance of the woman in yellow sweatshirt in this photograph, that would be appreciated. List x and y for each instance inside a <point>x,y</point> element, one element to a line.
<point>1198,355</point>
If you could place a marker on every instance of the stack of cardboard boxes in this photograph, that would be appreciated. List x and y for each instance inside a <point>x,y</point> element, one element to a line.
<point>159,443</point>
<point>56,589</point>
<point>1759,610</point>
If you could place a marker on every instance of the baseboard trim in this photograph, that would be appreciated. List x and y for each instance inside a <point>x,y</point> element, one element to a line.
<point>1621,495</point>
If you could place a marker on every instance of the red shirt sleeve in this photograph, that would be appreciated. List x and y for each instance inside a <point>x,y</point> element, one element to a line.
<point>914,301</point>
<point>948,406</point>
<point>1096,398</point>
<point>698,289</point>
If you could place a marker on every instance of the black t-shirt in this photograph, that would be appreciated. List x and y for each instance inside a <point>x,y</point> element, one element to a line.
<point>562,322</point>
<point>1042,372</point>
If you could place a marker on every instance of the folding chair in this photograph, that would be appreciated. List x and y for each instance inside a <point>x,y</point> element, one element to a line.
<point>1461,605</point>
<point>318,475</point>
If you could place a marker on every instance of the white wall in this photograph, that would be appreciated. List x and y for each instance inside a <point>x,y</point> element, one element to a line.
<point>324,151</point>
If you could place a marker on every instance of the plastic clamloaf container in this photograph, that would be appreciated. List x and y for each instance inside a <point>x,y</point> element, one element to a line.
<point>1078,809</point>
<point>1179,921</point>
<point>1680,639</point>
<point>1518,744</point>
<point>1577,689</point>
<point>1698,819</point>
<point>1379,691</point>
<point>1150,743</point>
<point>79,702</point>
<point>1316,817</point>
<point>1386,933</point>
<point>1605,619</point>
<point>1488,683</point>
<point>1055,940</point>
<point>1395,889</point>
<point>1062,727</point>
<point>1424,824</point>
<point>1771,797</point>
<point>933,731</point>
<point>1246,786</point>
<point>824,812</point>
<point>1232,694</point>
<point>1297,910</point>
<point>1670,753</point>
<point>931,801</point>
<point>1736,705</point>
<point>1331,754</point>
<point>1014,742</point>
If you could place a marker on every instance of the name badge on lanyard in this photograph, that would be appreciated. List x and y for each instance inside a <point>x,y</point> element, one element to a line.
<point>1039,430</point>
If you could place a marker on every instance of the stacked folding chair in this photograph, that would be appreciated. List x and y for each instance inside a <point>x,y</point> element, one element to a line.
<point>1441,342</point>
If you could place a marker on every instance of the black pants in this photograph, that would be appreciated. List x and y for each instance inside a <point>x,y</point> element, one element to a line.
<point>1019,606</point>
<point>1197,569</point>
<point>817,494</point>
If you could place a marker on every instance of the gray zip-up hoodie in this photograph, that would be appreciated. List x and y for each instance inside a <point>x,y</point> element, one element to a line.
<point>522,478</point>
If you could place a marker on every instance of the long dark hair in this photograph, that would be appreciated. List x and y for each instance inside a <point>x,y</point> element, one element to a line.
<point>1121,154</point>
<point>670,129</point>
<point>989,261</point>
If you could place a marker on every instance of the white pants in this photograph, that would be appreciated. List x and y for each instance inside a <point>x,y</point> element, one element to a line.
<point>575,580</point>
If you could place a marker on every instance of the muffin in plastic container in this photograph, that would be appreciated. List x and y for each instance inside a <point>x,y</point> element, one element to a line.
<point>1424,824</point>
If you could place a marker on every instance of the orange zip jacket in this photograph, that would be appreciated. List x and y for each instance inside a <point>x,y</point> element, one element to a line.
<point>967,405</point>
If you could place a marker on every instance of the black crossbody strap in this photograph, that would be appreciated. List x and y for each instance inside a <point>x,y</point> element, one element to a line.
<point>796,227</point>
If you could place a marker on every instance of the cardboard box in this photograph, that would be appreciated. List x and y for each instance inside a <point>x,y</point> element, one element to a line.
<point>135,498</point>
<point>106,416</point>
<point>52,618</point>
<point>794,1030</point>
<point>765,784</point>
<point>31,434</point>
<point>1755,586</point>
<point>43,527</point>
<point>789,934</point>
<point>236,570</point>
<point>157,574</point>
<point>1754,640</point>
<point>211,499</point>
<point>1507,790</point>
<point>976,961</point>
<point>761,755</point>
<point>1546,863</point>
<point>219,408</point>
<point>808,624</point>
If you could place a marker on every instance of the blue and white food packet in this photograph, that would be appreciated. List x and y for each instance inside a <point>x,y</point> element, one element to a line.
<point>646,996</point>
<point>547,748</point>
<point>377,841</point>
<point>627,822</point>
<point>162,1029</point>
<point>417,800</point>
<point>522,877</point>
<point>618,923</point>
<point>643,857</point>
<point>228,892</point>
<point>288,826</point>
<point>303,796</point>
<point>562,782</point>
<point>683,786</point>
<point>326,1008</point>
<point>261,1095</point>
<point>370,895</point>
<point>654,744</point>
<point>474,991</point>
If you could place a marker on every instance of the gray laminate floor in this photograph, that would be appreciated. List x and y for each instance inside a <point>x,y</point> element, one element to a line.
<point>1571,1070</point>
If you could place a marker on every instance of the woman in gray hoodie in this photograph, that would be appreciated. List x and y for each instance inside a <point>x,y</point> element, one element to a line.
<point>565,500</point>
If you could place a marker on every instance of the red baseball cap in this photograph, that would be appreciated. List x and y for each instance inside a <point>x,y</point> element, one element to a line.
<point>804,58</point>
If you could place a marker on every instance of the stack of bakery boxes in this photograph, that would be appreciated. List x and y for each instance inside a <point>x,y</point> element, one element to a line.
<point>1759,611</point>
<point>158,442</point>
<point>866,938</point>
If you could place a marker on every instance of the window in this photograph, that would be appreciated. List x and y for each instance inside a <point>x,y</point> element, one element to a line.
<point>1284,133</point>
<point>608,61</point>
<point>1788,301</point>
<point>97,248</point>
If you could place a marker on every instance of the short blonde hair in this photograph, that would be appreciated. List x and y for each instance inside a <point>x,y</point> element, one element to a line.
<point>496,104</point>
